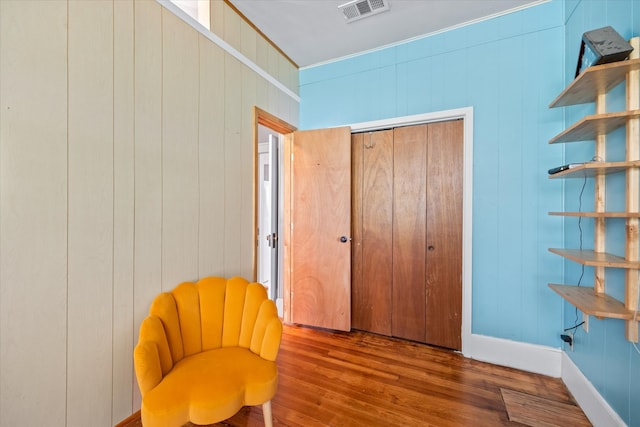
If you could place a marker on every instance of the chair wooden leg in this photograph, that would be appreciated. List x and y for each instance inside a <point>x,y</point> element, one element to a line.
<point>266,412</point>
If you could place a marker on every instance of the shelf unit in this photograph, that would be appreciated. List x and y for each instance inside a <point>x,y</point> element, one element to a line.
<point>592,85</point>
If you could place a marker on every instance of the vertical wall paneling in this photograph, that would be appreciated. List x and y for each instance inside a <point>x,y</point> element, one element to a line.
<point>294,112</point>
<point>123,210</point>
<point>283,105</point>
<point>233,173</point>
<point>248,41</point>
<point>247,152</point>
<point>273,63</point>
<point>262,93</point>
<point>211,160</point>
<point>274,99</point>
<point>272,68</point>
<point>232,28</point>
<point>180,194</point>
<point>248,46</point>
<point>485,263</point>
<point>262,56</point>
<point>147,158</point>
<point>216,17</point>
<point>126,162</point>
<point>90,192</point>
<point>283,75</point>
<point>531,253</point>
<point>510,183</point>
<point>33,212</point>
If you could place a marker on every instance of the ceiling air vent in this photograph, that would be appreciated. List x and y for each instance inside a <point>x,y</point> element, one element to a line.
<point>359,9</point>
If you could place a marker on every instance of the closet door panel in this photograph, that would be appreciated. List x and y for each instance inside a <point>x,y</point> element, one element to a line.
<point>409,232</point>
<point>358,289</point>
<point>372,291</point>
<point>444,234</point>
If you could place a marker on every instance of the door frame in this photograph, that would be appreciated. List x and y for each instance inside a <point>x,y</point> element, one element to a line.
<point>268,120</point>
<point>466,114</point>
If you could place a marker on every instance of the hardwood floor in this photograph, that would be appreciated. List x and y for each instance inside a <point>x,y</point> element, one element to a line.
<point>360,379</point>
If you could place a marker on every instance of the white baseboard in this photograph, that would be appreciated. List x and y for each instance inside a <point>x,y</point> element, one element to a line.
<point>592,403</point>
<point>534,358</point>
<point>548,361</point>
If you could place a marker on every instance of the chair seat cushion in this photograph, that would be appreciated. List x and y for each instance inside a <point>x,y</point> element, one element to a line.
<point>209,387</point>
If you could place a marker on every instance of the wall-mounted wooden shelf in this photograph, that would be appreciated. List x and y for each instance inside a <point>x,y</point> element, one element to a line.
<point>595,259</point>
<point>590,169</point>
<point>593,81</point>
<point>592,85</point>
<point>592,303</point>
<point>598,214</point>
<point>597,124</point>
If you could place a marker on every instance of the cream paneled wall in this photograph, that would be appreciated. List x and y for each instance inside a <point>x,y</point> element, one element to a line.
<point>239,34</point>
<point>126,156</point>
<point>33,213</point>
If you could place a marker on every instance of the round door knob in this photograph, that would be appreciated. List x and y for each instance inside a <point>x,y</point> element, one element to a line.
<point>344,239</point>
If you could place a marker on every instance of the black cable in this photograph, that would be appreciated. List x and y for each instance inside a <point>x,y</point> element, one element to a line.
<point>584,184</point>
<point>574,327</point>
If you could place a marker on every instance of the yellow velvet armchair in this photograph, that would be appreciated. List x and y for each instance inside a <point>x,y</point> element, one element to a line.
<point>206,350</point>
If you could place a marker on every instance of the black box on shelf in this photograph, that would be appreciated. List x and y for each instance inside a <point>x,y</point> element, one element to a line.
<point>601,46</point>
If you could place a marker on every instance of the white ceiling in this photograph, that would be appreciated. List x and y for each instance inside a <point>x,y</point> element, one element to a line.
<point>311,32</point>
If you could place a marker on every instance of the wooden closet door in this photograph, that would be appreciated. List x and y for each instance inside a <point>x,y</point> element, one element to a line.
<point>444,234</point>
<point>409,232</point>
<point>372,210</point>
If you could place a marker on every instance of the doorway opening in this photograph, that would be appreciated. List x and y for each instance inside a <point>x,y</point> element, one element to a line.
<point>268,203</point>
<point>269,244</point>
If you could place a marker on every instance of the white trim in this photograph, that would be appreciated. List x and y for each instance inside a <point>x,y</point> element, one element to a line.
<point>528,357</point>
<point>438,116</point>
<point>592,403</point>
<point>466,114</point>
<point>227,47</point>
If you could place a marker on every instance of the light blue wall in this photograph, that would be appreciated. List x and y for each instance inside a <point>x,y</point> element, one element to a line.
<point>508,69</point>
<point>604,356</point>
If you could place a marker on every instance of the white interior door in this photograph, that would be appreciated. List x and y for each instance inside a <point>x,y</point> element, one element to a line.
<point>268,218</point>
<point>264,220</point>
<point>273,237</point>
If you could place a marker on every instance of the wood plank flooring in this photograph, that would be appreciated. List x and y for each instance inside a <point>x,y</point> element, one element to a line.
<point>360,379</point>
<point>532,410</point>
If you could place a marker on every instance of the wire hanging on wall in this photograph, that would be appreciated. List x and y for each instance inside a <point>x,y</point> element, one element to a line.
<point>576,325</point>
